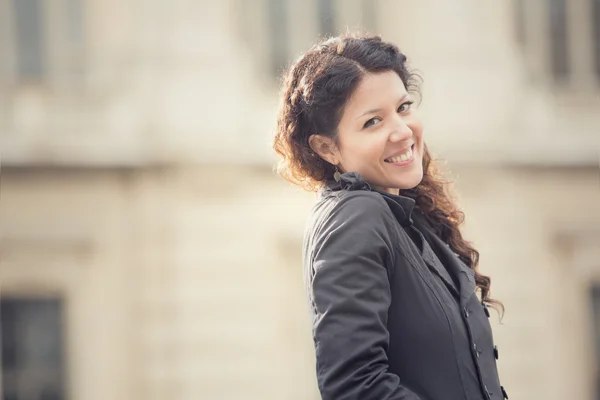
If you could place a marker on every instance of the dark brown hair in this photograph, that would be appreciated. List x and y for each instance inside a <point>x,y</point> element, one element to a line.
<point>314,92</point>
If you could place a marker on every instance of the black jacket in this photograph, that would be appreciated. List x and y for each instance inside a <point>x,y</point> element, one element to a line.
<point>394,317</point>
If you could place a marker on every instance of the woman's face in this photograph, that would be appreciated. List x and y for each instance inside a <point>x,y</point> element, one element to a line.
<point>380,135</point>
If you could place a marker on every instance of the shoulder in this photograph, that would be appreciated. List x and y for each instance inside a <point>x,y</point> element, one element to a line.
<point>349,226</point>
<point>364,212</point>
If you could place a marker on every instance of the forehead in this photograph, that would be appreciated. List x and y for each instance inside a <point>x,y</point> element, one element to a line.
<point>376,90</point>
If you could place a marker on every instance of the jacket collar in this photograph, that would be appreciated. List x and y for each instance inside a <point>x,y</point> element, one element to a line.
<point>402,206</point>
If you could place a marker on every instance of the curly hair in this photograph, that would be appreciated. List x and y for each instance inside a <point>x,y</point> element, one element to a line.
<point>314,92</point>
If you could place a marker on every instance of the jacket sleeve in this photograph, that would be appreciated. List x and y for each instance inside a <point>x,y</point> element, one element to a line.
<point>349,291</point>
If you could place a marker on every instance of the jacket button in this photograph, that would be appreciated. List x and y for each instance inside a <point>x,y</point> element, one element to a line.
<point>504,395</point>
<point>466,312</point>
<point>496,352</point>
<point>477,351</point>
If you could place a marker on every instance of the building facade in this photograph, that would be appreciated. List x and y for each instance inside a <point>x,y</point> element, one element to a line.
<point>148,250</point>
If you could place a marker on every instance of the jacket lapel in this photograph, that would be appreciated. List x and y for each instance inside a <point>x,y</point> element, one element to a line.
<point>429,256</point>
<point>435,265</point>
<point>435,260</point>
<point>464,274</point>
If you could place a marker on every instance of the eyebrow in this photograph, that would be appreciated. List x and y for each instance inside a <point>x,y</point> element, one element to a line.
<point>376,110</point>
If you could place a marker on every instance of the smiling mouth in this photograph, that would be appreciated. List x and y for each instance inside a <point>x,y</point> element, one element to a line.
<point>402,157</point>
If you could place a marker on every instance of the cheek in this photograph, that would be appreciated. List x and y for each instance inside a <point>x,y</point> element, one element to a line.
<point>354,150</point>
<point>360,146</point>
<point>417,129</point>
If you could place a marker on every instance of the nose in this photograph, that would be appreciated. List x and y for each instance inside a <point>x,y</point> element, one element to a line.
<point>400,131</point>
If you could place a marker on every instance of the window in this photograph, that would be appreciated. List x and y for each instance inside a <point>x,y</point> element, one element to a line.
<point>326,17</point>
<point>369,18</point>
<point>519,15</point>
<point>74,36</point>
<point>29,28</point>
<point>558,39</point>
<point>278,22</point>
<point>596,34</point>
<point>286,35</point>
<point>32,348</point>
<point>48,40</point>
<point>595,298</point>
<point>74,17</point>
<point>561,42</point>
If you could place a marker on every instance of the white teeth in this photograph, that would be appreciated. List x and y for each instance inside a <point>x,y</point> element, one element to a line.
<point>402,157</point>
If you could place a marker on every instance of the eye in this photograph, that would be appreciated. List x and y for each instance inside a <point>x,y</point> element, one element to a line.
<point>371,122</point>
<point>405,106</point>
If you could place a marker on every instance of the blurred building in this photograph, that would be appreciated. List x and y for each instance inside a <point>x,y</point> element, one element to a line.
<point>148,250</point>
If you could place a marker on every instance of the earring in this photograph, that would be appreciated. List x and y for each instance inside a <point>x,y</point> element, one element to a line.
<point>336,174</point>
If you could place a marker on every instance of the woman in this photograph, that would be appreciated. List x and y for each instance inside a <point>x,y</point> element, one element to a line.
<point>391,282</point>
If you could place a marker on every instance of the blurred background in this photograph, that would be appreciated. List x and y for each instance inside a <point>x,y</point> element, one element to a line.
<point>148,251</point>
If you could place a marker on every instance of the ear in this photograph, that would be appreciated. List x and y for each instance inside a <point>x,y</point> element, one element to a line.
<point>325,147</point>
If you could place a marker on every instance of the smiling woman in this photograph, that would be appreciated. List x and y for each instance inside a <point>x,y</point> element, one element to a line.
<point>392,285</point>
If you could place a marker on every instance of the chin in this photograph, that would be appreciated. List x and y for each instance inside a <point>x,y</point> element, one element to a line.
<point>410,180</point>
